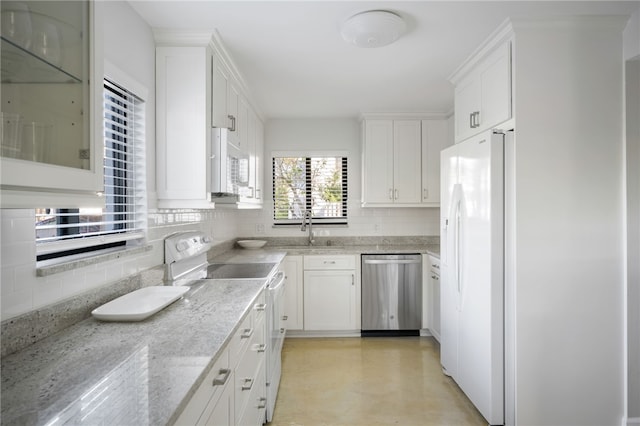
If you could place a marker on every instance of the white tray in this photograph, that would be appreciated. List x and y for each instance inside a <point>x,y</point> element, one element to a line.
<point>139,304</point>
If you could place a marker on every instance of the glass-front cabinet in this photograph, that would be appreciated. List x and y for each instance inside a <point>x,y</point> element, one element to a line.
<point>51,143</point>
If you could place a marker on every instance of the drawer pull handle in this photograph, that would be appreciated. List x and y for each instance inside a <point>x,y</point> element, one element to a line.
<point>260,347</point>
<point>246,333</point>
<point>260,306</point>
<point>223,376</point>
<point>329,262</point>
<point>262,403</point>
<point>284,318</point>
<point>248,384</point>
<point>282,330</point>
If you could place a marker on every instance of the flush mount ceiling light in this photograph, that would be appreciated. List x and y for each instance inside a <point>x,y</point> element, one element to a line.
<point>373,28</point>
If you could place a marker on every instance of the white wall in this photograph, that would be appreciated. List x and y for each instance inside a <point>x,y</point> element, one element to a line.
<point>569,225</point>
<point>333,134</point>
<point>632,95</point>
<point>129,46</point>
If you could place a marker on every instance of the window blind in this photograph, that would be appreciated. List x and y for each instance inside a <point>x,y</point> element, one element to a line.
<point>123,217</point>
<point>316,183</point>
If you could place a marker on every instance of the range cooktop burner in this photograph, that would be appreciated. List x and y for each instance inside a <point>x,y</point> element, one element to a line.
<point>239,270</point>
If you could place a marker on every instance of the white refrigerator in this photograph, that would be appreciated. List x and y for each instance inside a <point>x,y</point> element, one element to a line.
<point>472,270</point>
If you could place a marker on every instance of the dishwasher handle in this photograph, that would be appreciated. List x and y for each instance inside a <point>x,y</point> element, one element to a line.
<point>391,261</point>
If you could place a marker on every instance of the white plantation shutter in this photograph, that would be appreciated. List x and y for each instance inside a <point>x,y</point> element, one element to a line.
<point>124,215</point>
<point>316,183</point>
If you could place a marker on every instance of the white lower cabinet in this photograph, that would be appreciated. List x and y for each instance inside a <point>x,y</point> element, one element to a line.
<point>434,287</point>
<point>234,392</point>
<point>213,401</point>
<point>331,293</point>
<point>293,291</point>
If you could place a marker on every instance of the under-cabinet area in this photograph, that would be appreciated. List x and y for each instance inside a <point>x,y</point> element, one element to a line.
<point>323,295</point>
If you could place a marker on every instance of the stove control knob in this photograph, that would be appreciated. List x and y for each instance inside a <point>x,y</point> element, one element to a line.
<point>206,239</point>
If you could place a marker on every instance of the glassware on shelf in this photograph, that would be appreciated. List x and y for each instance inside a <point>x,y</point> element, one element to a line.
<point>46,42</point>
<point>36,141</point>
<point>11,143</point>
<point>16,23</point>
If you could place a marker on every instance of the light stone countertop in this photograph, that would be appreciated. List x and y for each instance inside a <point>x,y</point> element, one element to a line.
<point>132,373</point>
<point>431,249</point>
<point>143,372</point>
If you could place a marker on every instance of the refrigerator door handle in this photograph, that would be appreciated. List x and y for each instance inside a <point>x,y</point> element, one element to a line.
<point>454,235</point>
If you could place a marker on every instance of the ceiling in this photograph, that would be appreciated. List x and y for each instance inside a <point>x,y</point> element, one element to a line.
<point>296,64</point>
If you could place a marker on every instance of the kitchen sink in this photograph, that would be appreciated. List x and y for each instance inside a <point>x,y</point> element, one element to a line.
<point>230,271</point>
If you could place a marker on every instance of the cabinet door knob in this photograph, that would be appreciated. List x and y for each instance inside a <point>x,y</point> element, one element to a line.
<point>248,384</point>
<point>233,123</point>
<point>262,403</point>
<point>223,376</point>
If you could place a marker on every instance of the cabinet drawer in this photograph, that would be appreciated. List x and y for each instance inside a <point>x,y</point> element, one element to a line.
<point>241,339</point>
<point>247,372</point>
<point>208,392</point>
<point>330,262</point>
<point>254,413</point>
<point>259,308</point>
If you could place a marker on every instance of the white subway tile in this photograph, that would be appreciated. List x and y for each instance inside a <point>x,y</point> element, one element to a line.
<point>47,291</point>
<point>15,254</point>
<point>7,279</point>
<point>16,303</point>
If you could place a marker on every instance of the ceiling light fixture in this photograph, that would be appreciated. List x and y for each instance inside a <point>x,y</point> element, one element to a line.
<point>373,28</point>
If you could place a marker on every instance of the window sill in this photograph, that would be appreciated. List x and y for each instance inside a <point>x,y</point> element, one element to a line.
<point>315,225</point>
<point>55,266</point>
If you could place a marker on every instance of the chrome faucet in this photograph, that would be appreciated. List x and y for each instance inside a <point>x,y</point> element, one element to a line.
<point>305,217</point>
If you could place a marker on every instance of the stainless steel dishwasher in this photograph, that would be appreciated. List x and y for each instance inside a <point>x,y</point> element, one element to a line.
<point>391,294</point>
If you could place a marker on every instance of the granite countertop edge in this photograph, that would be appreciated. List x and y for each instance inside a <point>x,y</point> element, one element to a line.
<point>177,344</point>
<point>431,249</point>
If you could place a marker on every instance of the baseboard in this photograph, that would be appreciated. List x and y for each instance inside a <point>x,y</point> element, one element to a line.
<point>389,333</point>
<point>322,333</point>
<point>633,421</point>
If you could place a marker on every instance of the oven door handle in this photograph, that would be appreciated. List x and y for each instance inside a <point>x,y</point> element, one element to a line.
<point>391,261</point>
<point>277,281</point>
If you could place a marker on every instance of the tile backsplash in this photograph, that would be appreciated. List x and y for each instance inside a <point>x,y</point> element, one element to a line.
<point>22,291</point>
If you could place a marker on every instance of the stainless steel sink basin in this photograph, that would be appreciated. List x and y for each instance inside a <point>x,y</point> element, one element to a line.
<point>229,271</point>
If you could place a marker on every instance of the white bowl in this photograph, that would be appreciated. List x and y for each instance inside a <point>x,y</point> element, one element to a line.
<point>251,244</point>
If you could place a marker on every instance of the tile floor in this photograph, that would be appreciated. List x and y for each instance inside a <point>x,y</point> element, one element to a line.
<point>368,381</point>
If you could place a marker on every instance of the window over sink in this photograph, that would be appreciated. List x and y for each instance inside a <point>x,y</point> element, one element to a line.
<point>64,232</point>
<point>316,183</point>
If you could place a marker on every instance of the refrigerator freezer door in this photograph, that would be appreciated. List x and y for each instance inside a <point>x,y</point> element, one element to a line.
<point>472,279</point>
<point>448,287</point>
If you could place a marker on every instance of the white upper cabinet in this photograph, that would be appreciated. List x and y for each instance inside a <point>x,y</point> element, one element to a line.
<point>435,137</point>
<point>51,106</point>
<point>401,160</point>
<point>219,98</point>
<point>195,92</point>
<point>259,162</point>
<point>183,126</point>
<point>483,94</point>
<point>391,162</point>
